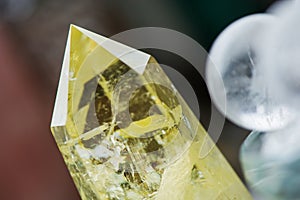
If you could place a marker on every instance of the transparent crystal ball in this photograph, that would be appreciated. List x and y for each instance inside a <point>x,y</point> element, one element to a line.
<point>271,163</point>
<point>280,61</point>
<point>232,69</point>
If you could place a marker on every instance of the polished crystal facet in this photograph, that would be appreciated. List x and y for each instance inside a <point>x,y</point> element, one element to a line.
<point>125,132</point>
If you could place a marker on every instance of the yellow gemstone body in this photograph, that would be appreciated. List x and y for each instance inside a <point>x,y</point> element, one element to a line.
<point>125,133</point>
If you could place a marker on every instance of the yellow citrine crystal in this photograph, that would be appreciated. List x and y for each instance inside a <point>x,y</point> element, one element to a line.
<point>124,131</point>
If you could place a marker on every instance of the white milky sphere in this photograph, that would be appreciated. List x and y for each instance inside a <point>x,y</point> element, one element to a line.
<point>232,71</point>
<point>281,59</point>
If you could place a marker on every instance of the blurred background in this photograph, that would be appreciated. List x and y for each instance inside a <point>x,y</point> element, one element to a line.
<point>32,40</point>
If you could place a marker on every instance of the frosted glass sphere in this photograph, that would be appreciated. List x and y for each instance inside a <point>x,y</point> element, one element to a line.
<point>271,163</point>
<point>232,69</point>
<point>280,59</point>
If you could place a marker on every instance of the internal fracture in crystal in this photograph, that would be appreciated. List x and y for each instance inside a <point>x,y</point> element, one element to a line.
<point>125,132</point>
